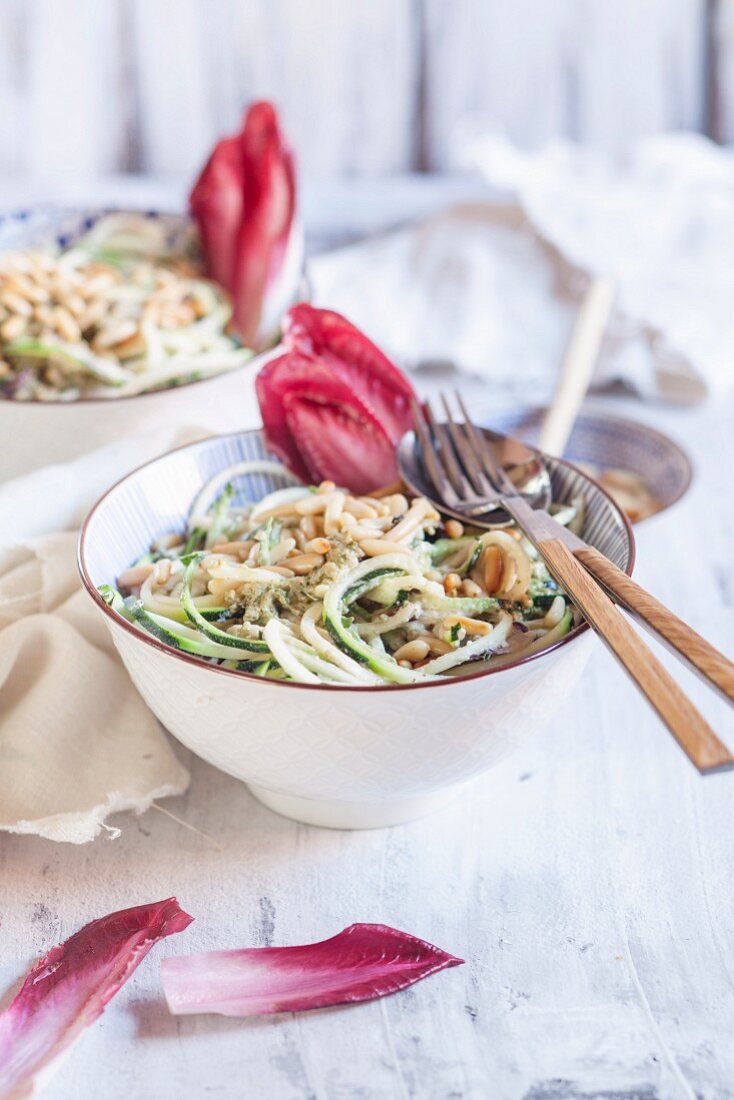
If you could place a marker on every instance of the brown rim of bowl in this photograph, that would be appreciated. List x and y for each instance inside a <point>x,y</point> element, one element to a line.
<point>188,658</point>
<point>598,414</point>
<point>303,294</point>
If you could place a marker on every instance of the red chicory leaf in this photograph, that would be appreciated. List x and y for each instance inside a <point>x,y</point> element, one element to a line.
<point>69,987</point>
<point>339,344</point>
<point>216,206</point>
<point>321,427</point>
<point>333,406</point>
<point>244,203</point>
<point>363,962</point>
<point>269,209</point>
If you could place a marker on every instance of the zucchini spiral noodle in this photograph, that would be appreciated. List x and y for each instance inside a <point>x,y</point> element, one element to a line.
<point>115,314</point>
<point>318,586</point>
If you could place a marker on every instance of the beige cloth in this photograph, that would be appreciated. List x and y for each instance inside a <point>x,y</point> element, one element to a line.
<point>77,743</point>
<point>76,740</point>
<point>493,288</point>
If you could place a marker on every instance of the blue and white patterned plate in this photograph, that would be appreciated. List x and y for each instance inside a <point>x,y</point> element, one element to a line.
<point>609,441</point>
<point>54,225</point>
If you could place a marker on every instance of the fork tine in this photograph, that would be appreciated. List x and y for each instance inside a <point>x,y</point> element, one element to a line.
<point>469,460</point>
<point>447,457</point>
<point>492,468</point>
<point>429,458</point>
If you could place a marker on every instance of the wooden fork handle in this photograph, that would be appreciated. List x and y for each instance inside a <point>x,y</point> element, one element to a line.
<point>689,728</point>
<point>708,662</point>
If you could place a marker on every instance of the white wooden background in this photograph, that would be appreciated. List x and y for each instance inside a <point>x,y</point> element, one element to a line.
<point>91,87</point>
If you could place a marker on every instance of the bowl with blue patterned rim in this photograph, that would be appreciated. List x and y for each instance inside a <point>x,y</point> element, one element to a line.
<point>38,433</point>
<point>336,755</point>
<point>602,441</point>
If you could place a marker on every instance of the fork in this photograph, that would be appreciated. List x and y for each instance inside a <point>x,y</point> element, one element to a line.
<point>466,475</point>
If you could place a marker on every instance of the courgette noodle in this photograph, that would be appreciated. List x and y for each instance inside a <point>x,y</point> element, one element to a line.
<point>314,585</point>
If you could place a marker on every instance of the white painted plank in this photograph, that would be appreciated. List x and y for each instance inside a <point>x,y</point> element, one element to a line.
<point>723,75</point>
<point>342,76</point>
<point>594,72</point>
<point>73,89</point>
<point>13,87</point>
<point>82,84</point>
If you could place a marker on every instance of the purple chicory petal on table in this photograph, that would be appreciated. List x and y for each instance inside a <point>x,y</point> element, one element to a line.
<point>363,962</point>
<point>69,987</point>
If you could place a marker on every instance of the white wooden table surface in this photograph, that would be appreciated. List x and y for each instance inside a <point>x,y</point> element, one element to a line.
<point>587,881</point>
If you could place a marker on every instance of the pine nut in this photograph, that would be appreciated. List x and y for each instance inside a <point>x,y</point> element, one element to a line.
<point>282,549</point>
<point>308,526</point>
<point>15,303</point>
<point>420,511</point>
<point>454,529</point>
<point>129,348</point>
<point>30,290</point>
<point>361,509</point>
<point>44,315</point>
<point>451,583</point>
<point>131,578</point>
<point>281,570</point>
<point>75,305</point>
<point>318,546</point>
<point>312,504</point>
<point>237,549</point>
<point>417,650</point>
<point>438,647</point>
<point>96,283</point>
<point>398,504</point>
<point>326,487</point>
<point>220,586</point>
<point>361,531</point>
<point>113,334</point>
<point>334,509</point>
<point>162,571</point>
<point>93,314</point>
<point>66,326</point>
<point>304,563</point>
<point>374,547</point>
<point>14,327</point>
<point>492,568</point>
<point>470,588</point>
<point>471,626</point>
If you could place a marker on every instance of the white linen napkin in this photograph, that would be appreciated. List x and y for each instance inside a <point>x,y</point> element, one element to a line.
<point>77,743</point>
<point>493,288</point>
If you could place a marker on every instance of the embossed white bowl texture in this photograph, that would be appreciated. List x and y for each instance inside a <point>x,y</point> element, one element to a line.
<point>336,756</point>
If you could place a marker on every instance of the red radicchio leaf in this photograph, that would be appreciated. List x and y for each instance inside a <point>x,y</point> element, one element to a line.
<point>69,987</point>
<point>333,405</point>
<point>363,962</point>
<point>244,203</point>
<point>216,206</point>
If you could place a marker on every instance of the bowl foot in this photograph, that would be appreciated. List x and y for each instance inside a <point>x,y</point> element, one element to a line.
<point>354,815</point>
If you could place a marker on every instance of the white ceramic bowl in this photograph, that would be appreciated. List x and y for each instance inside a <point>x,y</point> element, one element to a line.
<point>36,433</point>
<point>338,756</point>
